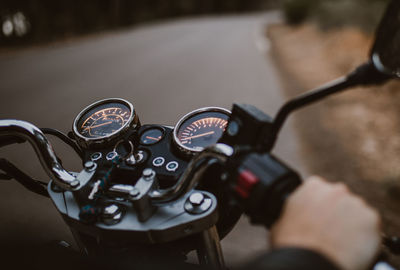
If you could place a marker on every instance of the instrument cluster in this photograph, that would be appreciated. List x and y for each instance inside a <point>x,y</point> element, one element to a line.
<point>103,121</point>
<point>111,127</point>
<point>200,129</point>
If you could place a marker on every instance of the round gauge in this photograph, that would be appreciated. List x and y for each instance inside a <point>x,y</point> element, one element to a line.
<point>151,136</point>
<point>104,120</point>
<point>200,129</point>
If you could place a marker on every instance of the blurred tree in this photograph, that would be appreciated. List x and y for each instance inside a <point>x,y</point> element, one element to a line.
<point>335,13</point>
<point>297,11</point>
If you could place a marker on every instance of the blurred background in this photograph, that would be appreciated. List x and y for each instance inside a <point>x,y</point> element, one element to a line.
<point>33,21</point>
<point>44,20</point>
<point>169,57</point>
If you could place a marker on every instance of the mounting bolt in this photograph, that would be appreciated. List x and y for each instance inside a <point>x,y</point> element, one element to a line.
<point>148,173</point>
<point>134,192</point>
<point>112,214</point>
<point>198,203</point>
<point>196,199</point>
<point>90,166</point>
<point>111,210</point>
<point>75,183</point>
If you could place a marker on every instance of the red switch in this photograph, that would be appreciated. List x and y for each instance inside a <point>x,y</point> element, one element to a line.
<point>245,183</point>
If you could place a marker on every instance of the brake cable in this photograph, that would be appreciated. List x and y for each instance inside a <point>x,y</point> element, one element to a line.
<point>63,138</point>
<point>12,172</point>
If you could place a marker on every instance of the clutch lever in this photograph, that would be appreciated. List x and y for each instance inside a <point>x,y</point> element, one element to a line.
<point>25,131</point>
<point>7,140</point>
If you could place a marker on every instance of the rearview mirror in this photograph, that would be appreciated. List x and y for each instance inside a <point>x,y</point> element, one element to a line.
<point>385,53</point>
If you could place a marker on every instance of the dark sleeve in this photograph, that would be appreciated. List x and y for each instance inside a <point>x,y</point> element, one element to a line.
<point>291,259</point>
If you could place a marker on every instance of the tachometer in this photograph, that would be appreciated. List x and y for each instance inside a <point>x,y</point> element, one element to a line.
<point>104,120</point>
<point>200,129</point>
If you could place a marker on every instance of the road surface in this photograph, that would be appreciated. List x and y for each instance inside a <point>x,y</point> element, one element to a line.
<point>165,70</point>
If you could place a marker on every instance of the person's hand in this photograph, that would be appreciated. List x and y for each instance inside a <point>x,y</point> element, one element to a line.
<point>329,219</point>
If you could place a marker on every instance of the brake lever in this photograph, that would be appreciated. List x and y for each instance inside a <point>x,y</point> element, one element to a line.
<point>7,140</point>
<point>44,150</point>
<point>12,172</point>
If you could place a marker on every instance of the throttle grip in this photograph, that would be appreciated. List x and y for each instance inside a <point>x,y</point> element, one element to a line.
<point>261,184</point>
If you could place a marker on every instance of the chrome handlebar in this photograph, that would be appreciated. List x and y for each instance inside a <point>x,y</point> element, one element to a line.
<point>43,149</point>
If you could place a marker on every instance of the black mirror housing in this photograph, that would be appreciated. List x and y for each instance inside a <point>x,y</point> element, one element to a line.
<point>385,53</point>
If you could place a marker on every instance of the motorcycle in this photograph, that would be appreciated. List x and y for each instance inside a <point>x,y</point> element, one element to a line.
<point>156,191</point>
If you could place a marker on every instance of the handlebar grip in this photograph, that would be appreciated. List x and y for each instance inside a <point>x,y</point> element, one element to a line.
<point>7,140</point>
<point>262,184</point>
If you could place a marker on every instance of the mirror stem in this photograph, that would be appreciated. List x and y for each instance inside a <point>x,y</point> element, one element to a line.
<point>365,74</point>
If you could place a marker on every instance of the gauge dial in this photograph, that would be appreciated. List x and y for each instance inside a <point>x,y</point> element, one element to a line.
<point>101,122</point>
<point>151,136</point>
<point>104,120</point>
<point>201,128</point>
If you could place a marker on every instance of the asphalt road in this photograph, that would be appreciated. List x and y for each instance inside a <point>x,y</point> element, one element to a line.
<point>165,70</point>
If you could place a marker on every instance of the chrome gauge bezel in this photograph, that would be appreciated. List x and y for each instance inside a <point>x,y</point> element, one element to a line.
<point>184,149</point>
<point>89,142</point>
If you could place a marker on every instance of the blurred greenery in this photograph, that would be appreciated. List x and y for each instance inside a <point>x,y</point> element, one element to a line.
<point>297,11</point>
<point>336,13</point>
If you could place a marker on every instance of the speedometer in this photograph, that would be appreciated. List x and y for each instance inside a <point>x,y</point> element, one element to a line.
<point>200,129</point>
<point>104,120</point>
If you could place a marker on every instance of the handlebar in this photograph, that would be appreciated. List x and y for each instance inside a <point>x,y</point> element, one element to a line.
<point>44,150</point>
<point>18,131</point>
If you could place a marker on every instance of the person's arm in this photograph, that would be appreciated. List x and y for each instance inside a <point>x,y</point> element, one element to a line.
<point>323,226</point>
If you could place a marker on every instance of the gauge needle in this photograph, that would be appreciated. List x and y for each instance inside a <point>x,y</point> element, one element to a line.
<point>200,135</point>
<point>152,138</point>
<point>99,125</point>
